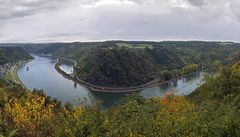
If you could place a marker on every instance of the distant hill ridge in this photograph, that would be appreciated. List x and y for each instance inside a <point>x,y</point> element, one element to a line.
<point>12,54</point>
<point>130,63</point>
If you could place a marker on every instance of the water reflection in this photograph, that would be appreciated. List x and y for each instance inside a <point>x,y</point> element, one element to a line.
<point>67,66</point>
<point>108,99</point>
<point>42,75</point>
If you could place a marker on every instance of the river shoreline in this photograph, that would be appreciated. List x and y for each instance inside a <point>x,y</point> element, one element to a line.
<point>92,87</point>
<point>96,88</point>
<point>15,75</point>
<point>43,75</point>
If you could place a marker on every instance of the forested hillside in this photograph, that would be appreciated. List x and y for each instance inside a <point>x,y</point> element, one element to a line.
<point>221,86</point>
<point>213,110</point>
<point>163,52</point>
<point>167,52</point>
<point>116,68</point>
<point>118,63</point>
<point>203,52</point>
<point>12,54</point>
<point>70,50</point>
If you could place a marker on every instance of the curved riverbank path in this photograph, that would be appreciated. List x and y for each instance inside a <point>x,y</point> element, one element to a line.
<point>15,75</point>
<point>92,87</point>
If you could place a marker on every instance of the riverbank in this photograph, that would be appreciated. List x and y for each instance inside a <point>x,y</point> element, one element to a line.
<point>67,59</point>
<point>63,73</point>
<point>96,88</point>
<point>101,88</point>
<point>58,57</point>
<point>14,74</point>
<point>43,75</point>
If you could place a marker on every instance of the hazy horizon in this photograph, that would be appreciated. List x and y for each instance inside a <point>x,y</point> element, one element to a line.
<point>52,42</point>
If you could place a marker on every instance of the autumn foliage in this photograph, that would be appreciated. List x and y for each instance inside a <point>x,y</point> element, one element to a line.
<point>217,113</point>
<point>28,116</point>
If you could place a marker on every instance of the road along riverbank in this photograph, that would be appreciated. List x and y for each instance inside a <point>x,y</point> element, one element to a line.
<point>43,75</point>
<point>101,88</point>
<point>92,87</point>
<point>14,74</point>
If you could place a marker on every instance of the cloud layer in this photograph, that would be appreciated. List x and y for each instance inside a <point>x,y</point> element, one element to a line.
<point>87,20</point>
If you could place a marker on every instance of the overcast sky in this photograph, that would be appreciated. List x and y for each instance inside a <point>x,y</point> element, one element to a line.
<point>93,20</point>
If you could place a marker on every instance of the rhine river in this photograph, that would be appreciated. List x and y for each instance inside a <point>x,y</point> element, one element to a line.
<point>42,75</point>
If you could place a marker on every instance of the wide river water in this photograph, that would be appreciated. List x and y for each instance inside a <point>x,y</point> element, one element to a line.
<point>42,75</point>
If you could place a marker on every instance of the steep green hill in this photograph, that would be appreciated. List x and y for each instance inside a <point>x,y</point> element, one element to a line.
<point>116,68</point>
<point>12,54</point>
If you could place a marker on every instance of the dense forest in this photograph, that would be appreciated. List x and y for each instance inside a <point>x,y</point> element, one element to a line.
<point>12,54</point>
<point>116,68</point>
<point>212,110</point>
<point>116,63</point>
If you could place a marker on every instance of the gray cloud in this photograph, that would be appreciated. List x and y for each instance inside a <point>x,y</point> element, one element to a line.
<point>21,8</point>
<point>198,3</point>
<point>235,6</point>
<point>83,20</point>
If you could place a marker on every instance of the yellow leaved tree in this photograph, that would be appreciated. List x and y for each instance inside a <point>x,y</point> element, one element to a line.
<point>28,116</point>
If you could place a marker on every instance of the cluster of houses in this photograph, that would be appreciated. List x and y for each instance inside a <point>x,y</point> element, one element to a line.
<point>4,68</point>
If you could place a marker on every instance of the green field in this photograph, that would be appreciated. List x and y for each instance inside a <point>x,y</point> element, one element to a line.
<point>134,46</point>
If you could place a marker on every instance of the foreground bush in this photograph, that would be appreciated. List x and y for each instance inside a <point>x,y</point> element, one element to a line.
<point>135,116</point>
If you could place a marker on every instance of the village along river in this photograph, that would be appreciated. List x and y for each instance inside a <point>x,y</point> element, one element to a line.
<point>40,73</point>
